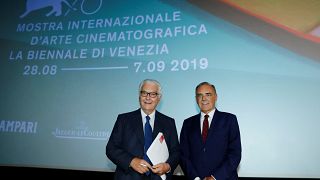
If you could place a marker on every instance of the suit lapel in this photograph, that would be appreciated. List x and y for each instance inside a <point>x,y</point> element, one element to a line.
<point>138,126</point>
<point>214,120</point>
<point>197,128</point>
<point>157,126</point>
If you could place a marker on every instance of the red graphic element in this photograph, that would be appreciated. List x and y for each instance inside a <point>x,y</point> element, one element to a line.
<point>312,35</point>
<point>161,138</point>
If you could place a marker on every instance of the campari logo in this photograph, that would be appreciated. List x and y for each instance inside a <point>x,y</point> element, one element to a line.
<point>61,7</point>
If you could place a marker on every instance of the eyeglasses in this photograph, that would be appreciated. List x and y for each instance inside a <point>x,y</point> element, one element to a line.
<point>151,94</point>
<point>200,96</point>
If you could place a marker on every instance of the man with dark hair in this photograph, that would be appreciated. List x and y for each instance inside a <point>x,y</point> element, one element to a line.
<point>210,143</point>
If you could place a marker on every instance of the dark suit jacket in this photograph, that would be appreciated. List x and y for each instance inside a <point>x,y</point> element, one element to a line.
<point>127,141</point>
<point>221,153</point>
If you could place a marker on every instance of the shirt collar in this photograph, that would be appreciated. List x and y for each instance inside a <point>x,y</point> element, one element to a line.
<point>152,116</point>
<point>143,114</point>
<point>211,113</point>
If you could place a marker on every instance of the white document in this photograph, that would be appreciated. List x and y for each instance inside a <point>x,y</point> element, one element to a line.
<point>158,151</point>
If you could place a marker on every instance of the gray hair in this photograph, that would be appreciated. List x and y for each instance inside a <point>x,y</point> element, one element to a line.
<point>206,83</point>
<point>153,82</point>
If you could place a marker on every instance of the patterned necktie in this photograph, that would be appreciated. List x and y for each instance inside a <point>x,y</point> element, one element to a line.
<point>205,128</point>
<point>147,139</point>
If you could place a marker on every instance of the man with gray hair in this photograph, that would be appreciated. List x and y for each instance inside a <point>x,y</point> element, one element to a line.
<point>133,133</point>
<point>210,140</point>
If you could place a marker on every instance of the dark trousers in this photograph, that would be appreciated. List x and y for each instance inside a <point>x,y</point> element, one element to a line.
<point>145,177</point>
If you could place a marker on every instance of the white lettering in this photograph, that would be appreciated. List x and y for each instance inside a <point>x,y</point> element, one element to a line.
<point>62,54</point>
<point>18,126</point>
<point>165,17</point>
<point>51,40</point>
<point>139,50</point>
<point>45,26</point>
<point>15,56</point>
<point>157,33</point>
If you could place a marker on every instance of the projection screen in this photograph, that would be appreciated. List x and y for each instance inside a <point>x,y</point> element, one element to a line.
<point>69,67</point>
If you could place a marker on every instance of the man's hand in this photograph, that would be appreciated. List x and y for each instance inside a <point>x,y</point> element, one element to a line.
<point>209,178</point>
<point>161,168</point>
<point>140,165</point>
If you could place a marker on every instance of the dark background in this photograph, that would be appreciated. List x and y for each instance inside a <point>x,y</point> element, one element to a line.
<point>32,172</point>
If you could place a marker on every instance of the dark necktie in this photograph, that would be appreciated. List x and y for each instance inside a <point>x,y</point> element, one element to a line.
<point>205,128</point>
<point>147,140</point>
